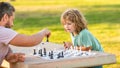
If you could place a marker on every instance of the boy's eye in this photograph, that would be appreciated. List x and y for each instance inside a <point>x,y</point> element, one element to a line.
<point>69,23</point>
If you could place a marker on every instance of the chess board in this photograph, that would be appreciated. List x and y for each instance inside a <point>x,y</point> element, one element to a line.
<point>51,55</point>
<point>61,53</point>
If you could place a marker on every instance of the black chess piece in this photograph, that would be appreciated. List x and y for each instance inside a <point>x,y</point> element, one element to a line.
<point>47,40</point>
<point>81,54</point>
<point>45,51</point>
<point>51,55</point>
<point>86,54</point>
<point>41,54</point>
<point>51,52</point>
<point>62,55</point>
<point>34,52</point>
<point>58,55</point>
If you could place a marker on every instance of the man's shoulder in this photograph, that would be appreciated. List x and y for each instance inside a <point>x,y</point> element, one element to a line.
<point>4,31</point>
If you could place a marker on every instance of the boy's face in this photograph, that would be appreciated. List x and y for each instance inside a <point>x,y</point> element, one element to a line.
<point>9,22</point>
<point>69,26</point>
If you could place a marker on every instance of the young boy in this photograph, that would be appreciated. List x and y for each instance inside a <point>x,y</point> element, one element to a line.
<point>75,23</point>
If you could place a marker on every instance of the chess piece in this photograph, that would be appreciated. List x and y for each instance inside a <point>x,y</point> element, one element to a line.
<point>45,51</point>
<point>62,55</point>
<point>34,52</point>
<point>58,55</point>
<point>41,52</point>
<point>51,55</point>
<point>51,52</point>
<point>47,40</point>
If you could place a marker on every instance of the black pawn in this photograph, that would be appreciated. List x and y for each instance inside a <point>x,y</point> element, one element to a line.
<point>41,52</point>
<point>51,55</point>
<point>34,52</point>
<point>62,55</point>
<point>45,51</point>
<point>58,55</point>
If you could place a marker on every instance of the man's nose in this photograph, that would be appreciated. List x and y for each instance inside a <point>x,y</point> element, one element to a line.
<point>12,24</point>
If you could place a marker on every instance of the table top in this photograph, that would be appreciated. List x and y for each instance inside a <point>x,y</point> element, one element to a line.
<point>70,62</point>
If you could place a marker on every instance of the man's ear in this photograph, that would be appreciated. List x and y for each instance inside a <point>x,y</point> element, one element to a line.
<point>5,18</point>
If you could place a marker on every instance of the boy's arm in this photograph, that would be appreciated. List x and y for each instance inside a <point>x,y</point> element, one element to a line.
<point>83,48</point>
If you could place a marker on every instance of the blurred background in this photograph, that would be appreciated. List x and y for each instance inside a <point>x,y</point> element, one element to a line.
<point>103,18</point>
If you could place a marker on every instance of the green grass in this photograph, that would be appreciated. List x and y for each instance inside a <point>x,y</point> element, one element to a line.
<point>102,16</point>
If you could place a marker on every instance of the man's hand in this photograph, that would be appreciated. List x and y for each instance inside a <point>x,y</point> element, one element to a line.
<point>46,32</point>
<point>15,57</point>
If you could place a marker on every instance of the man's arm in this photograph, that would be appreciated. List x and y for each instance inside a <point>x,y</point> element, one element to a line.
<point>26,41</point>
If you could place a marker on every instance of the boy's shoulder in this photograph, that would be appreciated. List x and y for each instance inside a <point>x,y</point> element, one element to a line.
<point>84,31</point>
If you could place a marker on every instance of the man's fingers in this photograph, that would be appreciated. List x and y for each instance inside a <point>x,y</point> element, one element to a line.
<point>20,57</point>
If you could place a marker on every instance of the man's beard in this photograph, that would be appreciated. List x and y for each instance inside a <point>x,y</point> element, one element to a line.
<point>8,25</point>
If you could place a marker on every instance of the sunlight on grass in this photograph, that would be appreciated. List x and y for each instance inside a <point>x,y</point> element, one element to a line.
<point>102,16</point>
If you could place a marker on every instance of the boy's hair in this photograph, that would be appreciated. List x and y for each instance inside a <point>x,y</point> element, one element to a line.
<point>76,17</point>
<point>6,8</point>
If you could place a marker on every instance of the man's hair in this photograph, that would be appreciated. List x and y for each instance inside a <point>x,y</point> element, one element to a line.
<point>6,8</point>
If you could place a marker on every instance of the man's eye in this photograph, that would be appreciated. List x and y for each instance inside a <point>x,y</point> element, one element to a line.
<point>69,23</point>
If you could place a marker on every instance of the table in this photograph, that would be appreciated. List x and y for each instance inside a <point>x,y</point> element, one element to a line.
<point>101,58</point>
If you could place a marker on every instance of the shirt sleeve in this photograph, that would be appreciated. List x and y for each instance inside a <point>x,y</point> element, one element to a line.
<point>6,35</point>
<point>84,39</point>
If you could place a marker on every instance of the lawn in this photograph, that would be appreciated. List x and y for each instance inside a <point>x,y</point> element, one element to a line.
<point>102,16</point>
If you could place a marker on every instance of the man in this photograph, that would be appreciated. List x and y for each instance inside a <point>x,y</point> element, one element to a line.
<point>9,36</point>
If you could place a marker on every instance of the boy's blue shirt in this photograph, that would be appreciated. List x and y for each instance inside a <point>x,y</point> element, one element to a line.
<point>85,38</point>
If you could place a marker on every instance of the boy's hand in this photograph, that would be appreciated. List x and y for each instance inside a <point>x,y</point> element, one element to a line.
<point>15,57</point>
<point>67,45</point>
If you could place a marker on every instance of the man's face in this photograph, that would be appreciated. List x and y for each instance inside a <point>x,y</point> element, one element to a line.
<point>10,20</point>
